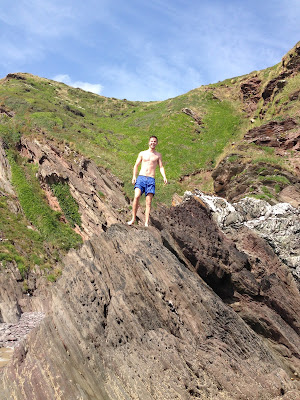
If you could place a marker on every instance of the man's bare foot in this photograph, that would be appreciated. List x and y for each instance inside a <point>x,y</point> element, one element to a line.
<point>131,222</point>
<point>146,224</point>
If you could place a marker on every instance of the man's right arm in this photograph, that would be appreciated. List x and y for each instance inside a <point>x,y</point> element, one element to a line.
<point>136,166</point>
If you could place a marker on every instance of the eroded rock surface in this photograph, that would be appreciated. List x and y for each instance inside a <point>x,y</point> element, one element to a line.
<point>275,134</point>
<point>235,177</point>
<point>12,334</point>
<point>130,321</point>
<point>5,173</point>
<point>98,193</point>
<point>279,225</point>
<point>251,93</point>
<point>241,267</point>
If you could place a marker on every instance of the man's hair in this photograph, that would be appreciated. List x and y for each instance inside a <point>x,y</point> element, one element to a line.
<point>153,136</point>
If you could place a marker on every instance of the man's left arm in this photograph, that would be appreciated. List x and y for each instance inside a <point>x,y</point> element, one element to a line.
<point>162,170</point>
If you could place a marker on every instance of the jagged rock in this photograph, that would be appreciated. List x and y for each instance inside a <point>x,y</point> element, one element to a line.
<point>249,276</point>
<point>251,93</point>
<point>8,113</point>
<point>290,67</point>
<point>291,61</point>
<point>129,321</point>
<point>192,114</point>
<point>5,173</point>
<point>279,225</point>
<point>275,134</point>
<point>98,194</point>
<point>235,177</point>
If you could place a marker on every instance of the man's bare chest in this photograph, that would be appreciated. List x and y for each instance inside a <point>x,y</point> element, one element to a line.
<point>150,158</point>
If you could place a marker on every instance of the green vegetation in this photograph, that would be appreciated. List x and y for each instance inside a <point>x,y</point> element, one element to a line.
<point>259,196</point>
<point>20,240</point>
<point>36,208</point>
<point>274,178</point>
<point>29,237</point>
<point>267,192</point>
<point>233,158</point>
<point>112,132</point>
<point>67,203</point>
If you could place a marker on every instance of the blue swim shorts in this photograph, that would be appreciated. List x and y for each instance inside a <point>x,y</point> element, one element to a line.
<point>145,184</point>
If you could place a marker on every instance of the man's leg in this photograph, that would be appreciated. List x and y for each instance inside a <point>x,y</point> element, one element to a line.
<point>149,198</point>
<point>135,205</point>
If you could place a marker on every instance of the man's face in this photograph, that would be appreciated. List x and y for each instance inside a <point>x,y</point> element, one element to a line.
<point>152,143</point>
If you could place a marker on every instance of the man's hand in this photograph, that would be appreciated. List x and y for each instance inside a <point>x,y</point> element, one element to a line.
<point>165,181</point>
<point>133,180</point>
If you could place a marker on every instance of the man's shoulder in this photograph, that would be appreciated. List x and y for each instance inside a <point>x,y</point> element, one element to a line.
<point>141,153</point>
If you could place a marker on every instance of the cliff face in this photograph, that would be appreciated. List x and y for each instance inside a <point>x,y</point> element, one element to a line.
<point>272,107</point>
<point>98,194</point>
<point>180,310</point>
<point>203,304</point>
<point>128,320</point>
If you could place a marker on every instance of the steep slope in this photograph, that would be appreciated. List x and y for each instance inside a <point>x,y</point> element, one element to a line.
<point>266,164</point>
<point>200,127</point>
<point>131,316</point>
<point>186,309</point>
<point>84,200</point>
<point>129,321</point>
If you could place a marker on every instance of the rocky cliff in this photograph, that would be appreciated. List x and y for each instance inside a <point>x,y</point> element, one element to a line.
<point>272,106</point>
<point>190,308</point>
<point>205,303</point>
<point>129,320</point>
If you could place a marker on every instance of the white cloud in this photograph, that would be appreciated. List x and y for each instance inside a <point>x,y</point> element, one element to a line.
<point>89,87</point>
<point>145,50</point>
<point>153,77</point>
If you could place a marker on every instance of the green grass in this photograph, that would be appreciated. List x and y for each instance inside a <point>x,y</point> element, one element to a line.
<point>35,207</point>
<point>274,178</point>
<point>112,132</point>
<point>27,237</point>
<point>67,203</point>
<point>19,240</point>
<point>259,196</point>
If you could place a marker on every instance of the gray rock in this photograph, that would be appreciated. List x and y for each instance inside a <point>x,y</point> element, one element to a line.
<point>130,321</point>
<point>5,172</point>
<point>279,224</point>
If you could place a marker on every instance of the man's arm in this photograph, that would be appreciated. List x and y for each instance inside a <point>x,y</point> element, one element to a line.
<point>162,169</point>
<point>136,166</point>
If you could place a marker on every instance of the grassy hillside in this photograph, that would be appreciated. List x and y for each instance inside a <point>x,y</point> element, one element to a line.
<point>112,132</point>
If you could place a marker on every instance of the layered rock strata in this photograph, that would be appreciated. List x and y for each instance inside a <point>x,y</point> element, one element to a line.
<point>279,224</point>
<point>178,311</point>
<point>131,321</point>
<point>235,177</point>
<point>10,291</point>
<point>242,268</point>
<point>97,192</point>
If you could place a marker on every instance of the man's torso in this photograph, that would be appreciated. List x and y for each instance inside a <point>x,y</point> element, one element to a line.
<point>149,163</point>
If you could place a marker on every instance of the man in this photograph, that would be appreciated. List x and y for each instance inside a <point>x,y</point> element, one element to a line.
<point>145,182</point>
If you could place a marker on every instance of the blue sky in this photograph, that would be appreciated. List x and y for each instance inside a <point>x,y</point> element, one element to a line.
<point>145,50</point>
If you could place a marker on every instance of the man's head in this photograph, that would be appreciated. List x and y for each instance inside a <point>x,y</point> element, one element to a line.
<point>153,142</point>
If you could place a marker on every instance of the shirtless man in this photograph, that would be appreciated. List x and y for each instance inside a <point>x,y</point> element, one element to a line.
<point>145,182</point>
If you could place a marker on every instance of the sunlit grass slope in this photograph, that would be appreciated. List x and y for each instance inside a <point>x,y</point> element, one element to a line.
<point>113,132</point>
